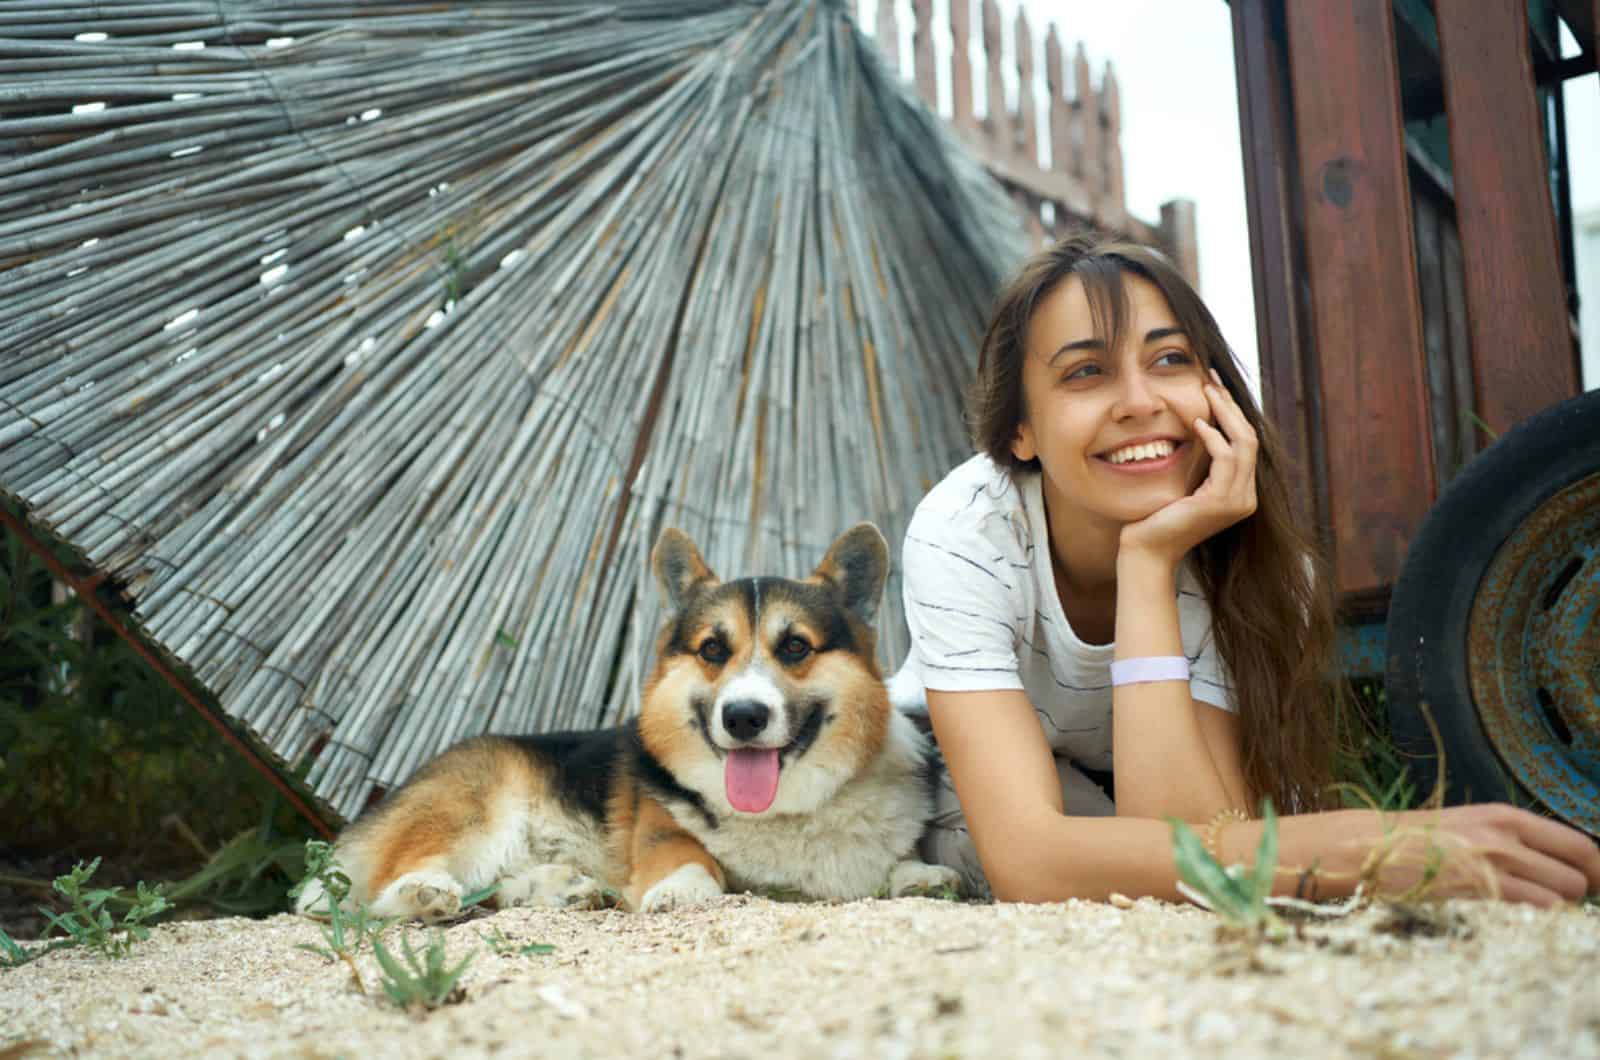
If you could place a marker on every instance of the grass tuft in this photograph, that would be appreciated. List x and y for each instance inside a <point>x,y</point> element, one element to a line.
<point>1235,893</point>
<point>425,982</point>
<point>509,947</point>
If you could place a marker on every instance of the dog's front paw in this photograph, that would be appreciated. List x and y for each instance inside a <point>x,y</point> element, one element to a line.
<point>690,885</point>
<point>552,887</point>
<point>922,879</point>
<point>430,895</point>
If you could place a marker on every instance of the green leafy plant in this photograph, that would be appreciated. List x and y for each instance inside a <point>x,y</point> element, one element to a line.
<point>507,947</point>
<point>14,955</point>
<point>1235,893</point>
<point>90,923</point>
<point>421,983</point>
<point>346,929</point>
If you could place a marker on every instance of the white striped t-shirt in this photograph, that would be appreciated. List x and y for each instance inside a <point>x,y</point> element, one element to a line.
<point>981,603</point>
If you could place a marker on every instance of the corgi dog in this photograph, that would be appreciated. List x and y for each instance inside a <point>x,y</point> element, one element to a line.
<point>766,756</point>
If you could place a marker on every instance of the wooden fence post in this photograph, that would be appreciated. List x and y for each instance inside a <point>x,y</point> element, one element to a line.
<point>961,66</point>
<point>889,34</point>
<point>1087,162</point>
<point>1057,115</point>
<point>1027,136</point>
<point>1182,242</point>
<point>993,49</point>
<point>1111,144</point>
<point>922,51</point>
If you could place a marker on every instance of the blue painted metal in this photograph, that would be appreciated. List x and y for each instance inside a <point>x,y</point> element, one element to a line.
<point>1363,649</point>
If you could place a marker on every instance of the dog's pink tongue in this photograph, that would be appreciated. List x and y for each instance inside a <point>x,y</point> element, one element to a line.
<point>752,779</point>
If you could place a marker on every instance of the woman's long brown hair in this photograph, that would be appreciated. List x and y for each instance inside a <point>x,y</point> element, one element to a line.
<point>1271,606</point>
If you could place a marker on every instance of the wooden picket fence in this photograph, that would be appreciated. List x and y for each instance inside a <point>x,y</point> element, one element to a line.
<point>1082,181</point>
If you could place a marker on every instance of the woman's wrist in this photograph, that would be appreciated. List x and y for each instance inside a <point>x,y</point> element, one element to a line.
<point>1139,568</point>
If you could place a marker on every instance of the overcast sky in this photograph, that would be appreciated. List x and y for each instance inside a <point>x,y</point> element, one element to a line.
<point>1180,123</point>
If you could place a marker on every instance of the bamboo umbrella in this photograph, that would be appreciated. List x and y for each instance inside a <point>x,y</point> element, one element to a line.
<point>368,347</point>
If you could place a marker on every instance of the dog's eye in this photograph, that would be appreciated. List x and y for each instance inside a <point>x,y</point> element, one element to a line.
<point>714,652</point>
<point>793,649</point>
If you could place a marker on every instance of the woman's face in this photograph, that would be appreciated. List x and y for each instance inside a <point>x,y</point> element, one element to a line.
<point>1112,428</point>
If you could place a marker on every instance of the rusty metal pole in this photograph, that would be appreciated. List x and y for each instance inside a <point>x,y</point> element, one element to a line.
<point>86,587</point>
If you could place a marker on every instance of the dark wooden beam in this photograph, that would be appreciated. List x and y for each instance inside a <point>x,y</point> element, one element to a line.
<point>1523,355</point>
<point>1272,189</point>
<point>1360,262</point>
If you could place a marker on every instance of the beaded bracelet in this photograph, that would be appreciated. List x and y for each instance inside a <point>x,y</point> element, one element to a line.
<point>1213,829</point>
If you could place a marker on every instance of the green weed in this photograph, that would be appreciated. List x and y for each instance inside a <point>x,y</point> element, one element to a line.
<point>1236,894</point>
<point>346,930</point>
<point>507,947</point>
<point>89,923</point>
<point>14,955</point>
<point>425,983</point>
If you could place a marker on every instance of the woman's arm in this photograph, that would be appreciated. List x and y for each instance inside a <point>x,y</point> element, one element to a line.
<point>1164,764</point>
<point>1009,791</point>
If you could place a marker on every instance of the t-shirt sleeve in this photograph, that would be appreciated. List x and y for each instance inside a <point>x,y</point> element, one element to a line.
<point>1208,678</point>
<point>963,587</point>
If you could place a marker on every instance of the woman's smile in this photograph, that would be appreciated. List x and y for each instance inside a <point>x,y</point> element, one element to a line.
<point>1144,456</point>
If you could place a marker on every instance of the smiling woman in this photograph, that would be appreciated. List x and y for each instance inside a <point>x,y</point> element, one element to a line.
<point>1114,615</point>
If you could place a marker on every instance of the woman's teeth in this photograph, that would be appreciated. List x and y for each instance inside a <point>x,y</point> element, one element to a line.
<point>1147,451</point>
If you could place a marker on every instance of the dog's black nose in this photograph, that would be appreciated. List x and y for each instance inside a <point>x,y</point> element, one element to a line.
<point>744,719</point>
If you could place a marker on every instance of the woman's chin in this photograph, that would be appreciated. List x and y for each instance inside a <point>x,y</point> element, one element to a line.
<point>1139,508</point>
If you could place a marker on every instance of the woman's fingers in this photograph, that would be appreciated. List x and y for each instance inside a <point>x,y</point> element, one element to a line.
<point>1242,443</point>
<point>1232,484</point>
<point>1566,845</point>
<point>1515,890</point>
<point>1220,476</point>
<point>1531,858</point>
<point>1231,418</point>
<point>1551,874</point>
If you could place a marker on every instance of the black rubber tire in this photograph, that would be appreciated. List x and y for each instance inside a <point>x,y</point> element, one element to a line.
<point>1432,602</point>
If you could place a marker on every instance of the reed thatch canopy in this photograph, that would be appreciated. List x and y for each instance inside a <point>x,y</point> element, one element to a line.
<point>368,347</point>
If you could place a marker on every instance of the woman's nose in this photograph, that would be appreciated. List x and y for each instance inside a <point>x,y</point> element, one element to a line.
<point>1137,396</point>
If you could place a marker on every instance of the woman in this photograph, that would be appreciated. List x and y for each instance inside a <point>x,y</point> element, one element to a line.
<point>1114,588</point>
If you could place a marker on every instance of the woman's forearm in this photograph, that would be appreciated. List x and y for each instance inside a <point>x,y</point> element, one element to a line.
<point>1159,755</point>
<point>1052,857</point>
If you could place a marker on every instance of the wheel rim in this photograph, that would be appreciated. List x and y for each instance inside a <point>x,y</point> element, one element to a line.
<point>1533,651</point>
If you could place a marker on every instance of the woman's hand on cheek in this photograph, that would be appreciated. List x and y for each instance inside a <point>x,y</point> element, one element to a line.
<point>1227,495</point>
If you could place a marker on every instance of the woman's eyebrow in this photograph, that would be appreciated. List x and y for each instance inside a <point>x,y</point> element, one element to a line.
<point>1153,335</point>
<point>1081,344</point>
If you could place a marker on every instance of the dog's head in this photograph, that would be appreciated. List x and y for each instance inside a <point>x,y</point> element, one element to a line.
<point>765,696</point>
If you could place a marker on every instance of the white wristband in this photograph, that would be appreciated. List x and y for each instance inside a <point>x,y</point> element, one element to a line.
<point>1149,668</point>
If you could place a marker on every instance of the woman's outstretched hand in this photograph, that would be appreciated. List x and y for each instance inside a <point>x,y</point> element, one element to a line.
<point>1227,495</point>
<point>1484,851</point>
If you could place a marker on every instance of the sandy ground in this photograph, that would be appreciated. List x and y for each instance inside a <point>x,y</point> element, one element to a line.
<point>751,977</point>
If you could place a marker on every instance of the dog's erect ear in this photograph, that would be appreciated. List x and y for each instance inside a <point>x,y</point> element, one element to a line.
<point>679,568</point>
<point>856,566</point>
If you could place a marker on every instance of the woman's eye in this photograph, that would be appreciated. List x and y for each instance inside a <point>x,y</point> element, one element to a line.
<point>714,652</point>
<point>793,649</point>
<point>1083,371</point>
<point>1174,358</point>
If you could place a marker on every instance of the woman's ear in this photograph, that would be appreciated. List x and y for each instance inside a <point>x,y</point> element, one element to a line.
<point>1022,444</point>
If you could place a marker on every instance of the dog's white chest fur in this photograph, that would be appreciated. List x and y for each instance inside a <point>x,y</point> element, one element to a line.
<point>846,847</point>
